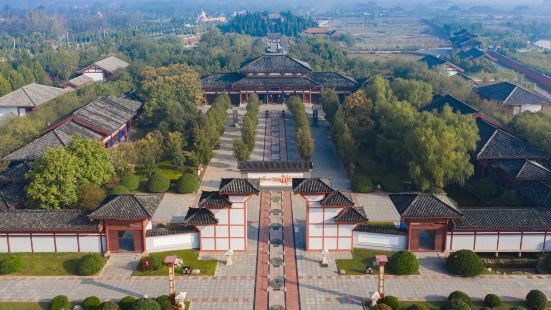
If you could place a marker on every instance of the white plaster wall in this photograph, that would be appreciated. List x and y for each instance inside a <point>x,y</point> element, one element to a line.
<point>43,243</point>
<point>90,244</point>
<point>7,110</point>
<point>315,215</point>
<point>96,76</point>
<point>330,243</point>
<point>221,215</point>
<point>222,231</point>
<point>330,231</point>
<point>173,242</point>
<point>315,230</point>
<point>237,231</point>
<point>238,244</point>
<point>486,242</point>
<point>368,240</point>
<point>509,241</point>
<point>345,230</point>
<point>533,241</point>
<point>67,243</point>
<point>206,231</point>
<point>313,197</point>
<point>330,214</point>
<point>20,243</point>
<point>530,107</point>
<point>237,216</point>
<point>207,244</point>
<point>462,241</point>
<point>315,243</point>
<point>275,179</point>
<point>233,198</point>
<point>3,244</point>
<point>345,243</point>
<point>222,244</point>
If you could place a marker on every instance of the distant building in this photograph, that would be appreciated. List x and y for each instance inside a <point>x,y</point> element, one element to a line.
<point>79,82</point>
<point>433,62</point>
<point>464,39</point>
<point>517,99</point>
<point>320,31</point>
<point>274,78</point>
<point>439,102</point>
<point>190,40</point>
<point>28,98</point>
<point>475,54</point>
<point>203,18</point>
<point>104,69</point>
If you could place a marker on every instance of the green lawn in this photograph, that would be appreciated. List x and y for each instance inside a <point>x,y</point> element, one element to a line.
<point>435,305</point>
<point>49,264</point>
<point>190,258</point>
<point>360,258</point>
<point>23,305</point>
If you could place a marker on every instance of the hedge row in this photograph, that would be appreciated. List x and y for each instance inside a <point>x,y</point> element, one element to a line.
<point>303,135</point>
<point>61,302</point>
<point>243,146</point>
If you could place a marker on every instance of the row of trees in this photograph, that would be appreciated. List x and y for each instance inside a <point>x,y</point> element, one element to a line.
<point>388,129</point>
<point>303,135</point>
<point>13,78</point>
<point>244,145</point>
<point>261,24</point>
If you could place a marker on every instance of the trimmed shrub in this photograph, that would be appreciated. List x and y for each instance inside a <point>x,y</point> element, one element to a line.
<point>146,304</point>
<point>417,307</point>
<point>91,303</point>
<point>149,262</point>
<point>536,299</point>
<point>188,183</point>
<point>164,301</point>
<point>392,183</point>
<point>460,296</point>
<point>492,300</point>
<point>381,306</point>
<point>90,264</point>
<point>465,263</point>
<point>119,190</point>
<point>130,181</point>
<point>60,302</point>
<point>362,184</point>
<point>110,305</point>
<point>392,302</point>
<point>10,264</point>
<point>456,304</point>
<point>546,263</point>
<point>404,263</point>
<point>127,303</point>
<point>158,183</point>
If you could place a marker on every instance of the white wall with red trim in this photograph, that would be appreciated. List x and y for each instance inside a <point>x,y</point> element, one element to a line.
<point>50,242</point>
<point>519,241</point>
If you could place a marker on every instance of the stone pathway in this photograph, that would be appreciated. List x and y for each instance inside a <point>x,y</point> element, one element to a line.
<point>291,274</point>
<point>261,285</point>
<point>120,265</point>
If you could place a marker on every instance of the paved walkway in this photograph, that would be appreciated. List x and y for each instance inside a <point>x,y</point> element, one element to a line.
<point>291,274</point>
<point>261,285</point>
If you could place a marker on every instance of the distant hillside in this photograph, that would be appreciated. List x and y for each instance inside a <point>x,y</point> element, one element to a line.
<point>260,24</point>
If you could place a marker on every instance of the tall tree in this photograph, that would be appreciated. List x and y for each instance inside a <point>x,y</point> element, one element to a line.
<point>378,89</point>
<point>93,161</point>
<point>5,86</point>
<point>415,92</point>
<point>16,80</point>
<point>331,103</point>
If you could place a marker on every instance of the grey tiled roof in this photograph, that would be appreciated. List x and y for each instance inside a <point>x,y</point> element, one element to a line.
<point>108,114</point>
<point>262,165</point>
<point>221,80</point>
<point>80,81</point>
<point>310,186</point>
<point>333,80</point>
<point>128,207</point>
<point>472,53</point>
<point>384,230</point>
<point>290,81</point>
<point>495,143</point>
<point>14,173</point>
<point>213,200</point>
<point>31,96</point>
<point>538,192</point>
<point>12,195</point>
<point>238,186</point>
<point>423,205</point>
<point>171,231</point>
<point>47,221</point>
<point>351,215</point>
<point>200,216</point>
<point>501,219</point>
<point>275,63</point>
<point>59,137</point>
<point>337,198</point>
<point>111,64</point>
<point>432,61</point>
<point>455,104</point>
<point>523,170</point>
<point>510,94</point>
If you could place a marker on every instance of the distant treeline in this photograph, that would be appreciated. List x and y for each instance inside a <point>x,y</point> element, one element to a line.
<point>260,24</point>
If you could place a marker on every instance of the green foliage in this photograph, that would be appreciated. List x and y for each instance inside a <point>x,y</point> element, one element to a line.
<point>331,103</point>
<point>188,183</point>
<point>60,302</point>
<point>130,181</point>
<point>546,263</point>
<point>150,262</point>
<point>381,306</point>
<point>164,302</point>
<point>487,188</point>
<point>248,129</point>
<point>303,135</point>
<point>417,93</point>
<point>456,304</point>
<point>90,264</point>
<point>362,184</point>
<point>535,128</point>
<point>404,263</point>
<point>392,302</point>
<point>461,296</point>
<point>10,264</point>
<point>392,183</point>
<point>158,183</point>
<point>90,196</point>
<point>418,307</point>
<point>492,300</point>
<point>110,305</point>
<point>517,308</point>
<point>379,90</point>
<point>119,190</point>
<point>127,303</point>
<point>175,148</point>
<point>93,161</point>
<point>536,300</point>
<point>464,263</point>
<point>91,303</point>
<point>240,149</point>
<point>259,24</point>
<point>5,87</point>
<point>146,304</point>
